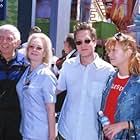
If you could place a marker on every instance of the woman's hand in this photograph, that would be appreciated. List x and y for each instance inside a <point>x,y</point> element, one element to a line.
<point>111,130</point>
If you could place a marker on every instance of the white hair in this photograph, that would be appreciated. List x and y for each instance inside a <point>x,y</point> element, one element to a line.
<point>11,28</point>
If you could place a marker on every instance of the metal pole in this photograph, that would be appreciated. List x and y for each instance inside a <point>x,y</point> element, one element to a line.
<point>24,18</point>
<point>33,17</point>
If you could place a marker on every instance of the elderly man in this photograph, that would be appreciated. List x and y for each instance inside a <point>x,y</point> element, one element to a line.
<point>12,65</point>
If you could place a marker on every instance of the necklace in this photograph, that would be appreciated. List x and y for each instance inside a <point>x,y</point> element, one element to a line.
<point>31,74</point>
<point>27,79</point>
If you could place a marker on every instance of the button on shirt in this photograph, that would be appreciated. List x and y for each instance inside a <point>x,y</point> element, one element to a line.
<point>34,93</point>
<point>84,84</point>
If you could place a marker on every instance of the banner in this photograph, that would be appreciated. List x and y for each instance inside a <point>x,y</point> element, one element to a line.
<point>43,8</point>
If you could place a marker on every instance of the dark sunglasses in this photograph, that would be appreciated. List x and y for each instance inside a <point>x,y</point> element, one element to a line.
<point>86,41</point>
<point>120,36</point>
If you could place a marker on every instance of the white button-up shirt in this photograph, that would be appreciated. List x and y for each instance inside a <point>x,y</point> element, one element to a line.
<point>84,85</point>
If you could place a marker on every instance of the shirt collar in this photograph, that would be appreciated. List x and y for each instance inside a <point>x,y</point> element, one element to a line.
<point>69,55</point>
<point>11,60</point>
<point>95,62</point>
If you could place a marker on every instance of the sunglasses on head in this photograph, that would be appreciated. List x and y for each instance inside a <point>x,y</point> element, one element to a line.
<point>120,36</point>
<point>86,41</point>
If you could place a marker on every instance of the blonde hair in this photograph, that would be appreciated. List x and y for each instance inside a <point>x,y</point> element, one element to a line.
<point>127,42</point>
<point>11,28</point>
<point>46,44</point>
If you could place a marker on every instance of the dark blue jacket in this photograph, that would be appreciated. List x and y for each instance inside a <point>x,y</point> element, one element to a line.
<point>10,72</point>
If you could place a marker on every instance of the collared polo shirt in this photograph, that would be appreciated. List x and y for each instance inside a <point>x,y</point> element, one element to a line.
<point>34,93</point>
<point>71,53</point>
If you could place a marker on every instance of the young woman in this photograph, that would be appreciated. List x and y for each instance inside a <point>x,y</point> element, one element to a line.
<point>36,91</point>
<point>121,96</point>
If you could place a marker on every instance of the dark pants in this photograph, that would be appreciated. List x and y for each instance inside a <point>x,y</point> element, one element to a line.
<point>59,137</point>
<point>9,125</point>
<point>59,103</point>
<point>60,100</point>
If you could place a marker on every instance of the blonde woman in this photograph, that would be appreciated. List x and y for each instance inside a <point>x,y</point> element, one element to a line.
<point>121,97</point>
<point>36,91</point>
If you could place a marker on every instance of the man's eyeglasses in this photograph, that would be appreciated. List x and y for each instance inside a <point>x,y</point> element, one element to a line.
<point>120,36</point>
<point>86,41</point>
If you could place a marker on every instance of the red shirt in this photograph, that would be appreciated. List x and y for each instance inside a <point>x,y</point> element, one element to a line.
<point>112,98</point>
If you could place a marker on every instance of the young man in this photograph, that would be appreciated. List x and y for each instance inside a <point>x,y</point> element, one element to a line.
<point>84,78</point>
<point>12,65</point>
